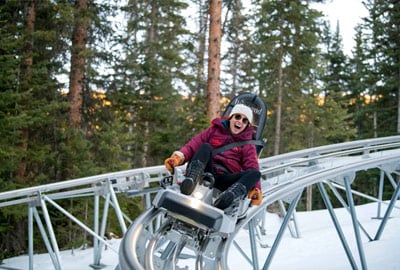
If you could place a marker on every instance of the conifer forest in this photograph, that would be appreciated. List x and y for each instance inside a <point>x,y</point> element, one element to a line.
<point>95,86</point>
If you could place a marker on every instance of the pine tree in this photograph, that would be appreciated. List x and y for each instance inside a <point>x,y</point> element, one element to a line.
<point>155,46</point>
<point>336,70</point>
<point>30,106</point>
<point>336,92</point>
<point>32,100</point>
<point>235,76</point>
<point>285,45</point>
<point>382,49</point>
<point>359,96</point>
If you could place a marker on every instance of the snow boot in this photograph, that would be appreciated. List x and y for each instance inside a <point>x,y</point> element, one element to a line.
<point>231,196</point>
<point>193,175</point>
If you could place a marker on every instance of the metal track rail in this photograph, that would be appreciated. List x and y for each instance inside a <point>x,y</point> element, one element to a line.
<point>340,173</point>
<point>284,179</point>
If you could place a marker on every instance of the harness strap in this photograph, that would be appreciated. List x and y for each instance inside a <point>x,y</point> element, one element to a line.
<point>236,144</point>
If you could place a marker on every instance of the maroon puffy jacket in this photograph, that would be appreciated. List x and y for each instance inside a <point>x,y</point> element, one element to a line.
<point>236,159</point>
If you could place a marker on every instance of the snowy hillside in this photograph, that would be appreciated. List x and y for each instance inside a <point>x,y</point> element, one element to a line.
<point>318,248</point>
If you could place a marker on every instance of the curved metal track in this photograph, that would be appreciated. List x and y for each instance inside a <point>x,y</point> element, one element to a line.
<point>160,240</point>
<point>285,177</point>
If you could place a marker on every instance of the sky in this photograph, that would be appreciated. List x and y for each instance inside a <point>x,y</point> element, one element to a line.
<point>318,247</point>
<point>348,13</point>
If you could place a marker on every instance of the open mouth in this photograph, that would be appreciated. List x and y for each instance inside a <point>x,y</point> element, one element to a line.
<point>238,125</point>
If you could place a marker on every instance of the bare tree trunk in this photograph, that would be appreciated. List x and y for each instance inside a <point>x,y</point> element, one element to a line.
<point>214,60</point>
<point>145,144</point>
<point>152,38</point>
<point>277,139</point>
<point>374,115</point>
<point>398,90</point>
<point>398,101</point>
<point>375,124</point>
<point>78,62</point>
<point>309,189</point>
<point>26,73</point>
<point>202,47</point>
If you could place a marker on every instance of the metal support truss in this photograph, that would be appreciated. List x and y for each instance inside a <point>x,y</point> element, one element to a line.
<point>283,175</point>
<point>282,229</point>
<point>336,223</point>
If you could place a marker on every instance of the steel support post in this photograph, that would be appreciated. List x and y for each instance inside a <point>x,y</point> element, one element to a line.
<point>147,201</point>
<point>30,236</point>
<point>42,230</point>
<point>104,217</point>
<point>344,204</point>
<point>355,223</point>
<point>391,180</point>
<point>388,212</point>
<point>282,229</point>
<point>117,208</point>
<point>380,194</point>
<point>97,255</point>
<point>50,230</point>
<point>342,238</point>
<point>293,231</point>
<point>130,221</point>
<point>263,223</point>
<point>253,245</point>
<point>239,248</point>
<point>97,245</point>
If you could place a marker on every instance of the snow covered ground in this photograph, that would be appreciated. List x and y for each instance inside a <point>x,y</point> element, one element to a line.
<point>318,247</point>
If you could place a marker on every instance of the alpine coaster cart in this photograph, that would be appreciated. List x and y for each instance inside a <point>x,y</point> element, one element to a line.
<point>181,231</point>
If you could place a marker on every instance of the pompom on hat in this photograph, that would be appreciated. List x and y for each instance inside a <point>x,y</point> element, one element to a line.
<point>242,109</point>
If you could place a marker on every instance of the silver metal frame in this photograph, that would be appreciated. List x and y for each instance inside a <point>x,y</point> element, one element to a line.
<point>284,178</point>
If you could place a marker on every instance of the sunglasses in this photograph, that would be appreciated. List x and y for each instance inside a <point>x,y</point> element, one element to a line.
<point>239,117</point>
